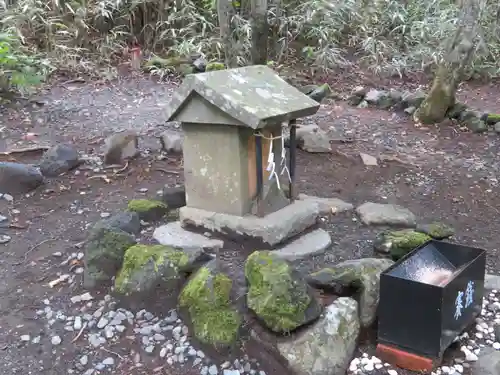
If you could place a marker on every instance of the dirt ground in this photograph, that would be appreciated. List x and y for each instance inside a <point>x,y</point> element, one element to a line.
<point>439,173</point>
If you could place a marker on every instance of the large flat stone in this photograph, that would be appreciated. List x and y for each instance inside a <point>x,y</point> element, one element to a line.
<point>328,205</point>
<point>173,234</point>
<point>386,214</point>
<point>307,245</point>
<point>271,229</point>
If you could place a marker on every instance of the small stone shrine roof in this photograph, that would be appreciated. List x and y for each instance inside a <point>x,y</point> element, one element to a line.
<point>252,96</point>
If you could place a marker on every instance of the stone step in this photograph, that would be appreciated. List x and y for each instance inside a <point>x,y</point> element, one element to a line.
<point>173,234</point>
<point>307,245</point>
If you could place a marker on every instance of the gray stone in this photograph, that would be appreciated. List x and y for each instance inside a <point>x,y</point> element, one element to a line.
<point>104,252</point>
<point>127,221</point>
<point>373,96</point>
<point>413,99</point>
<point>200,64</point>
<point>120,147</point>
<point>328,206</point>
<point>496,328</point>
<point>368,160</point>
<point>109,361</point>
<point>55,340</point>
<point>271,229</point>
<point>491,282</point>
<point>379,98</point>
<point>497,127</point>
<point>212,370</point>
<point>386,214</point>
<point>17,178</point>
<point>172,142</point>
<point>59,159</point>
<point>174,197</point>
<point>312,138</point>
<point>328,346</point>
<point>488,363</point>
<point>174,235</point>
<point>363,274</point>
<point>410,110</point>
<point>306,245</point>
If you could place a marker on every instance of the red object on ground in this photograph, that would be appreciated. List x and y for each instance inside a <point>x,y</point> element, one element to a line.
<point>135,52</point>
<point>406,360</point>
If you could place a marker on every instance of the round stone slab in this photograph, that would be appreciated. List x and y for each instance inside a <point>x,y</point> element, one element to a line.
<point>173,234</point>
<point>307,245</point>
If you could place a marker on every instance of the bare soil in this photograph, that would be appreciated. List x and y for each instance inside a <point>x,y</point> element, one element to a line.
<point>440,173</point>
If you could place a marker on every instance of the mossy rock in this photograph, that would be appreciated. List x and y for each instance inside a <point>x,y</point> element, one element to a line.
<point>362,274</point>
<point>148,209</point>
<point>436,230</point>
<point>206,296</point>
<point>185,69</point>
<point>491,118</point>
<point>164,63</point>
<point>278,294</point>
<point>104,253</point>
<point>399,243</point>
<point>215,66</point>
<point>146,267</point>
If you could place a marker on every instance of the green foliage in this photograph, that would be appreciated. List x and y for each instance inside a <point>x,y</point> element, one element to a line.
<point>18,71</point>
<point>387,36</point>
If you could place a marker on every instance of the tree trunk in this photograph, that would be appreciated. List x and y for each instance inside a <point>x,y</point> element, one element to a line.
<point>451,69</point>
<point>225,13</point>
<point>260,32</point>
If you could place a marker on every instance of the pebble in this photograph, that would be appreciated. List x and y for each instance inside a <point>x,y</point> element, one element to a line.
<point>212,370</point>
<point>110,361</point>
<point>4,239</point>
<point>103,322</point>
<point>84,360</point>
<point>55,340</point>
<point>25,338</point>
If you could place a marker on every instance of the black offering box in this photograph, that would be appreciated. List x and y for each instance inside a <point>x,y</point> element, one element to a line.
<point>427,299</point>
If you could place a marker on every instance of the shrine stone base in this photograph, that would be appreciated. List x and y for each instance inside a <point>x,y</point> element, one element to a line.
<point>272,229</point>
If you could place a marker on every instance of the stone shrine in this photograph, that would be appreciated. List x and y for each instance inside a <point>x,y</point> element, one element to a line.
<point>238,176</point>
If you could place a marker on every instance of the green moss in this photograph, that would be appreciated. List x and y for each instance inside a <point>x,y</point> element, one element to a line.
<point>492,118</point>
<point>139,255</point>
<point>185,69</point>
<point>403,241</point>
<point>436,230</point>
<point>273,293</point>
<point>207,298</point>
<point>215,66</point>
<point>143,205</point>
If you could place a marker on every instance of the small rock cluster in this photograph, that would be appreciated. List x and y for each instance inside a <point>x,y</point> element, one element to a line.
<point>101,323</point>
<point>409,102</point>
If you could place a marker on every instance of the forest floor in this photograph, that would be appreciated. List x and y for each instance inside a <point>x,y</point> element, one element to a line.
<point>439,173</point>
